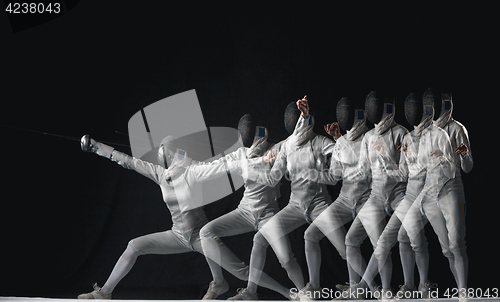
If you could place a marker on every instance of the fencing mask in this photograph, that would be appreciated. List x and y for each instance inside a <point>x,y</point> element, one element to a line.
<point>292,114</point>
<point>246,130</point>
<point>345,113</point>
<point>374,107</point>
<point>433,98</point>
<point>413,109</point>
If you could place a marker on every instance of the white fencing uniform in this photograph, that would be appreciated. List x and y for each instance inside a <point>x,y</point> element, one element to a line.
<point>258,205</point>
<point>302,150</point>
<point>353,194</point>
<point>380,158</point>
<point>449,202</point>
<point>418,163</point>
<point>185,224</point>
<point>183,237</point>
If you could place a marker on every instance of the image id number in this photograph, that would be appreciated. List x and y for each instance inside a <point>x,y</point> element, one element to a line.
<point>471,293</point>
<point>33,8</point>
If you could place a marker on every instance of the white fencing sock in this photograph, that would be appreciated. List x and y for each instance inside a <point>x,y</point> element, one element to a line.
<point>407,256</point>
<point>216,271</point>
<point>313,257</point>
<point>461,268</point>
<point>385,271</point>
<point>370,273</point>
<point>121,269</point>
<point>355,264</point>
<point>257,276</point>
<point>422,260</point>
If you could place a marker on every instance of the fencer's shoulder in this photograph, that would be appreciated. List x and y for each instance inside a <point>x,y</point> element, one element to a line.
<point>276,145</point>
<point>343,140</point>
<point>456,125</point>
<point>323,138</point>
<point>398,128</point>
<point>369,134</point>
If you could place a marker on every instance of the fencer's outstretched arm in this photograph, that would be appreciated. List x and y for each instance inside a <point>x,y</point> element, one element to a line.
<point>147,169</point>
<point>201,171</point>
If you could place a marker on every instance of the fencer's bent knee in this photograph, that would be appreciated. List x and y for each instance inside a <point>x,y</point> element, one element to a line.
<point>288,263</point>
<point>132,248</point>
<point>455,249</point>
<point>206,232</point>
<point>241,273</point>
<point>260,239</point>
<point>313,235</point>
<point>352,242</point>
<point>403,236</point>
<point>381,253</point>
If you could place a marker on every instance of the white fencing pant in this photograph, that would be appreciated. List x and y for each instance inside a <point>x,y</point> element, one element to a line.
<point>393,232</point>
<point>330,223</point>
<point>161,243</point>
<point>276,231</point>
<point>445,210</point>
<point>371,221</point>
<point>233,223</point>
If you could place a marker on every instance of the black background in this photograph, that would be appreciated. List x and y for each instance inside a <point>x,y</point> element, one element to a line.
<point>67,215</point>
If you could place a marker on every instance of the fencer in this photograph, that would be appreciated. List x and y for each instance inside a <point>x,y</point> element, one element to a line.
<point>353,194</point>
<point>452,199</point>
<point>183,237</point>
<point>380,158</point>
<point>301,150</point>
<point>444,205</point>
<point>258,205</point>
<point>416,162</point>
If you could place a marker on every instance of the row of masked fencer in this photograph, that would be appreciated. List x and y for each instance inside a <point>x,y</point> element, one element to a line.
<point>412,201</point>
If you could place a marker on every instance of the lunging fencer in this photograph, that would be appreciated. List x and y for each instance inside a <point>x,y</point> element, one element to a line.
<point>301,150</point>
<point>353,194</point>
<point>183,237</point>
<point>258,205</point>
<point>379,157</point>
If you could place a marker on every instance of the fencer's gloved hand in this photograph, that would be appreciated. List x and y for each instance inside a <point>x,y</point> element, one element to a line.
<point>90,145</point>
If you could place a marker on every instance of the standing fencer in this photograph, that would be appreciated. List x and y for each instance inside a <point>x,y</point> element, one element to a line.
<point>302,150</point>
<point>420,158</point>
<point>452,199</point>
<point>380,157</point>
<point>353,194</point>
<point>448,201</point>
<point>184,235</point>
<point>258,205</point>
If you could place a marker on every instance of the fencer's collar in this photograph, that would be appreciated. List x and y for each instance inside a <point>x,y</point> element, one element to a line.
<point>427,119</point>
<point>177,167</point>
<point>359,126</point>
<point>445,116</point>
<point>387,120</point>
<point>260,144</point>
